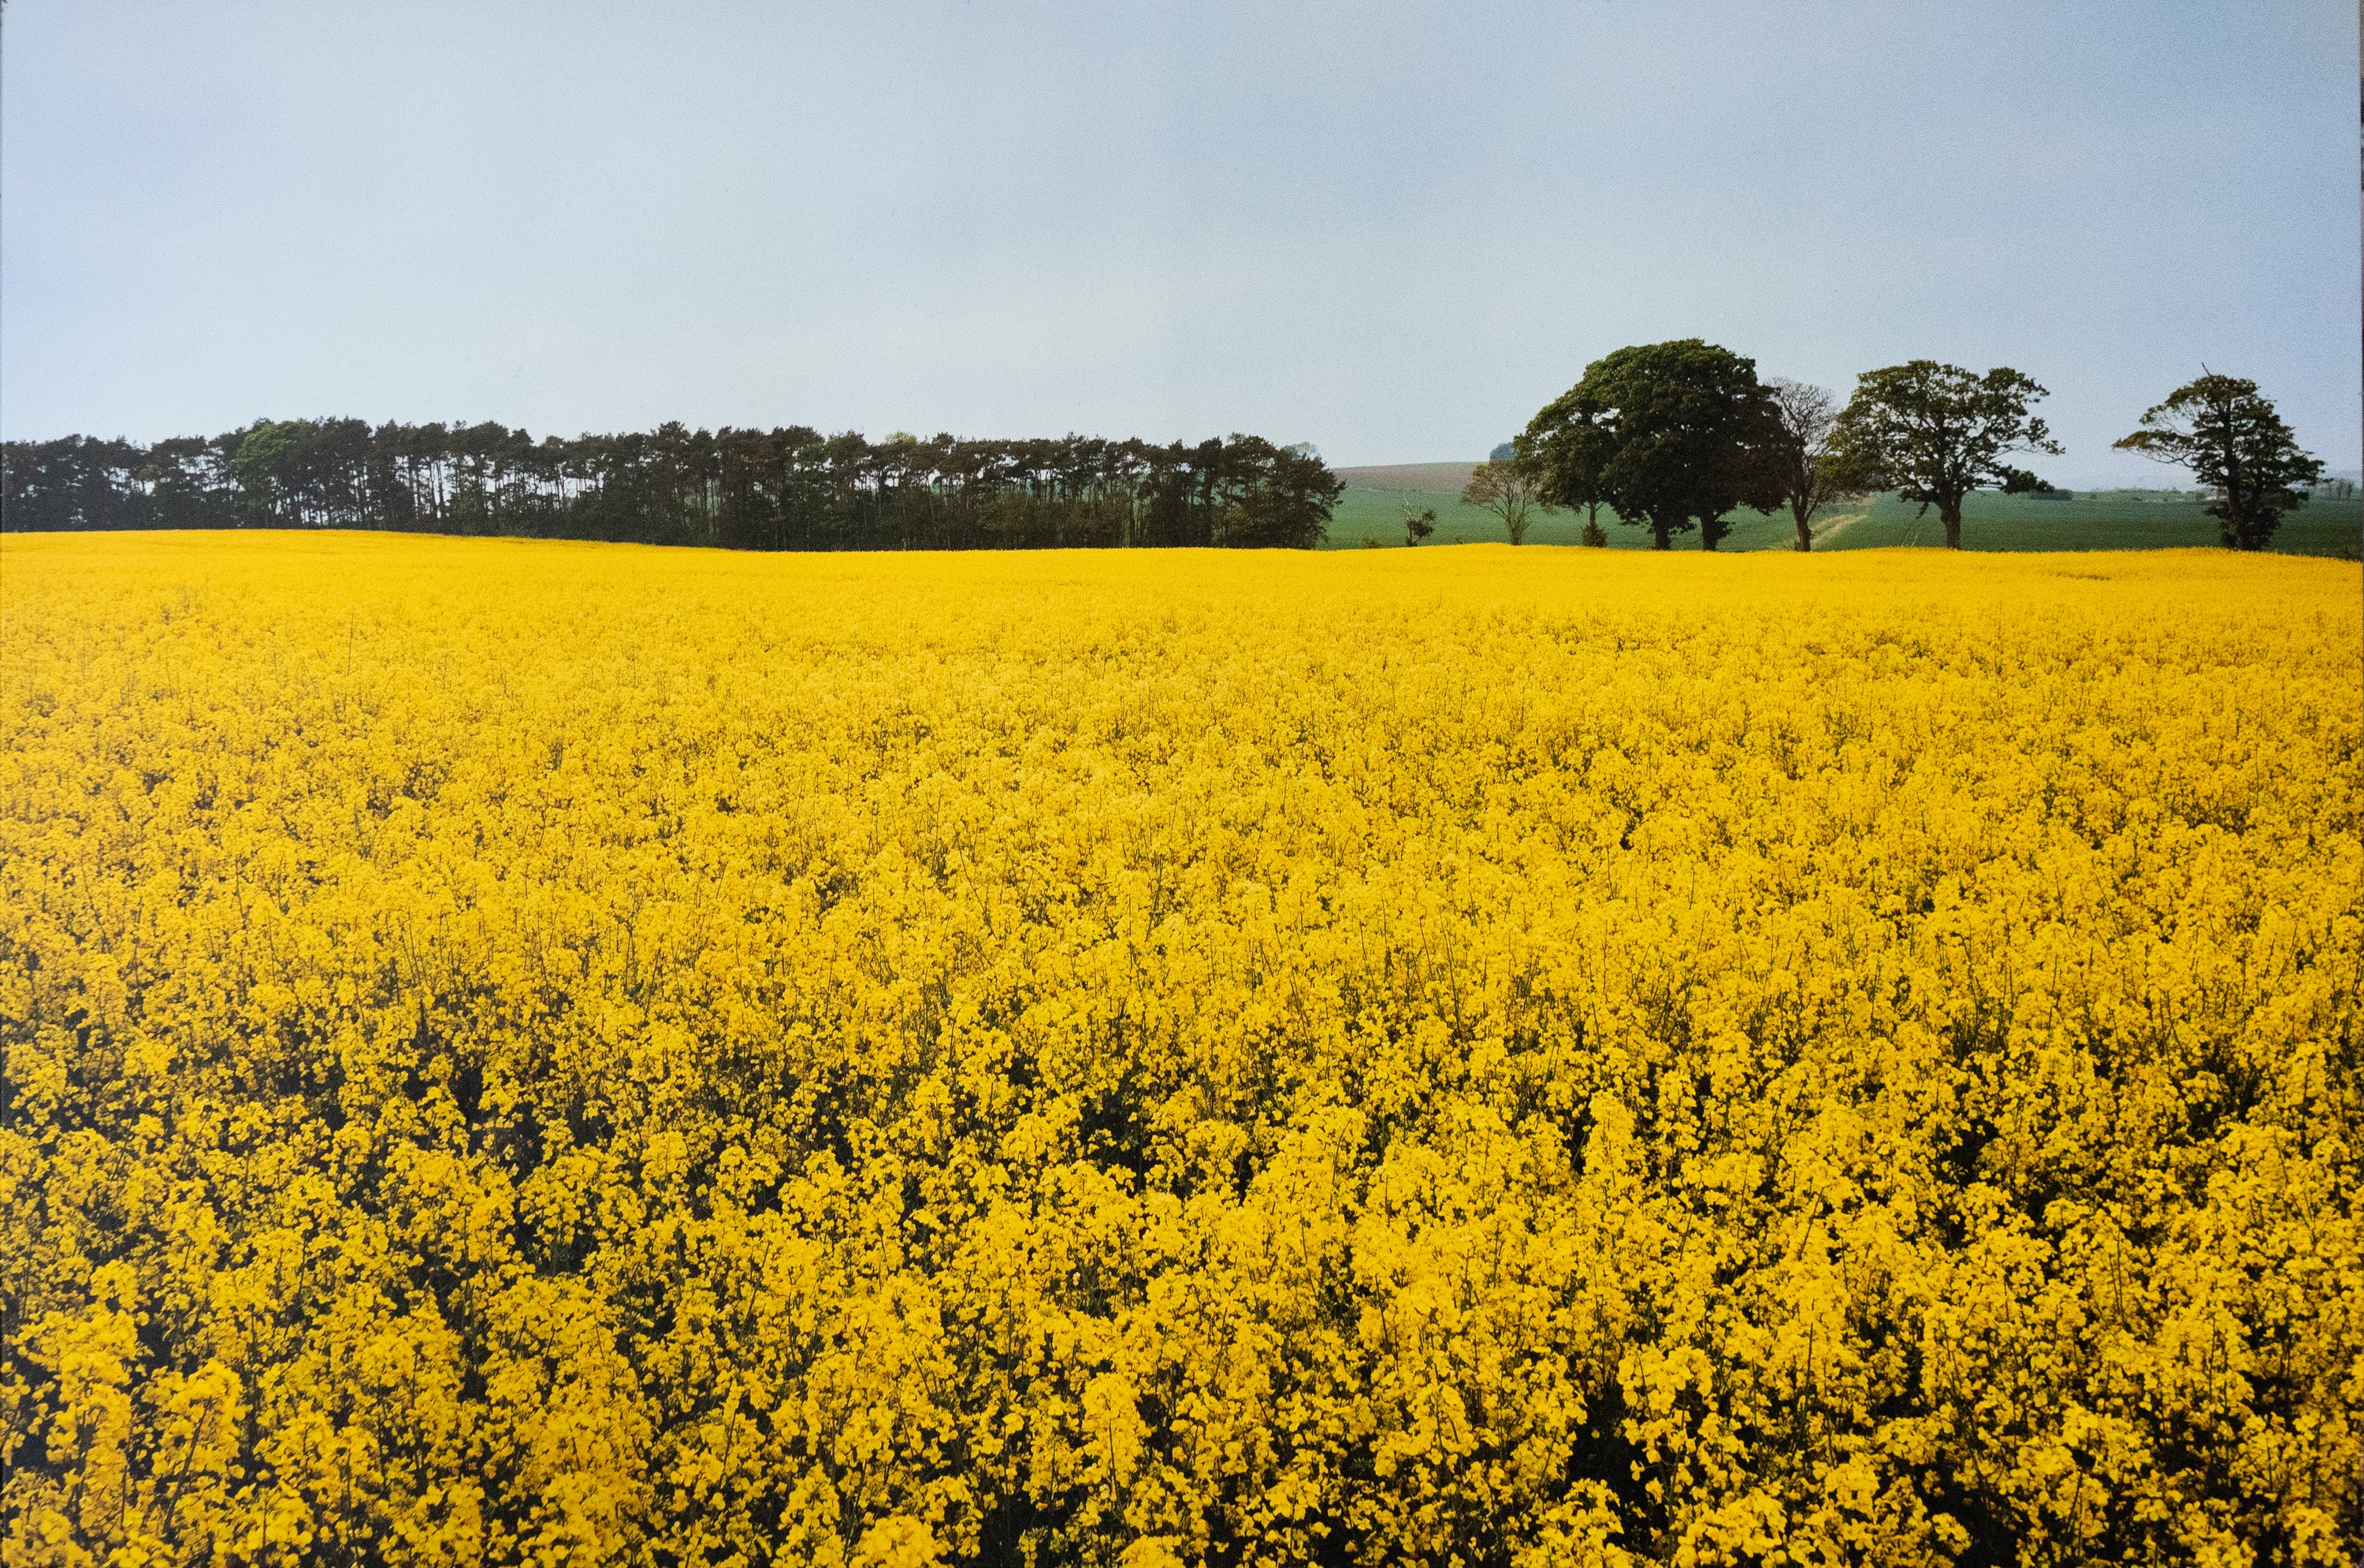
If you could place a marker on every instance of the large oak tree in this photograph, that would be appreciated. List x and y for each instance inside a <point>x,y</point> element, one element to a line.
<point>1935,432</point>
<point>1669,435</point>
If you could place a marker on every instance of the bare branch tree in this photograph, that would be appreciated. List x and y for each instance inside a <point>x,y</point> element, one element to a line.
<point>1508,490</point>
<point>1809,472</point>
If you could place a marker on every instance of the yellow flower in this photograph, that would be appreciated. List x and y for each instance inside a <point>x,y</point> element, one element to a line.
<point>536,1054</point>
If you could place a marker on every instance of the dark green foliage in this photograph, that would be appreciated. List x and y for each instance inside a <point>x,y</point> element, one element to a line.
<point>84,482</point>
<point>1991,520</point>
<point>2229,435</point>
<point>784,489</point>
<point>1934,432</point>
<point>1667,434</point>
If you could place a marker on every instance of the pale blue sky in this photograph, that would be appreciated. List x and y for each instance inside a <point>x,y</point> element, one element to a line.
<point>1394,231</point>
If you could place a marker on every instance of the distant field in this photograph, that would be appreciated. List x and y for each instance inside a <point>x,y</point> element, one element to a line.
<point>1442,477</point>
<point>1372,506</point>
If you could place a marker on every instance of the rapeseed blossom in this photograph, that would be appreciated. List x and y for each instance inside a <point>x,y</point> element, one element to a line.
<point>536,1054</point>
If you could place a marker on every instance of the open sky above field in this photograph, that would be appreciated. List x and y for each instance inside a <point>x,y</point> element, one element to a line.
<point>1392,231</point>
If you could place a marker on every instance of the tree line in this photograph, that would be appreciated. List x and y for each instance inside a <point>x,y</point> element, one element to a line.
<point>790,488</point>
<point>1675,436</point>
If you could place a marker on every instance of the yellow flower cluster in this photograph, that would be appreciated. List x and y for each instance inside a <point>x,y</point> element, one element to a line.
<point>538,1053</point>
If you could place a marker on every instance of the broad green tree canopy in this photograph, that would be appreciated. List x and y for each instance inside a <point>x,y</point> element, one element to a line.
<point>1935,432</point>
<point>1666,433</point>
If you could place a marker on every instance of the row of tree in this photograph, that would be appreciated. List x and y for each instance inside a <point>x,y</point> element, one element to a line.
<point>782,489</point>
<point>1675,436</point>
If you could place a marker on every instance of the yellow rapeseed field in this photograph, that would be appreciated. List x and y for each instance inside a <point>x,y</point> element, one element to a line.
<point>563,1053</point>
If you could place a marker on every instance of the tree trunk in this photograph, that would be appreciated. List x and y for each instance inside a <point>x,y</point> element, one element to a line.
<point>1950,514</point>
<point>1805,529</point>
<point>1658,533</point>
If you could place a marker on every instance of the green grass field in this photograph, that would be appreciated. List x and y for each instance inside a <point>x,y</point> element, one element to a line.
<point>1373,507</point>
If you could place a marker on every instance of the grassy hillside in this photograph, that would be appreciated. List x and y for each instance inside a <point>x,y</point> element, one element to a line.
<point>1373,506</point>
